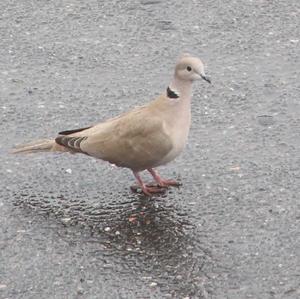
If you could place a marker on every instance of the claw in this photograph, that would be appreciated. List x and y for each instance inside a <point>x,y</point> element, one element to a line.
<point>154,184</point>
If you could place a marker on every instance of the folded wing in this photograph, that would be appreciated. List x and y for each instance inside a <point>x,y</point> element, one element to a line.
<point>136,140</point>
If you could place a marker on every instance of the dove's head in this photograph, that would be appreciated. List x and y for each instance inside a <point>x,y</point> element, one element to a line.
<point>189,68</point>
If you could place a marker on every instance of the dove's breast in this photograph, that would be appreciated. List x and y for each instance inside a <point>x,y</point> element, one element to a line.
<point>178,130</point>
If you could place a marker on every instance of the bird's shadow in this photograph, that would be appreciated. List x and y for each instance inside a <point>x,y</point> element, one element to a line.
<point>154,236</point>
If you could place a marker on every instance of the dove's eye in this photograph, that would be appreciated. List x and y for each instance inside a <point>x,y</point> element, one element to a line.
<point>188,68</point>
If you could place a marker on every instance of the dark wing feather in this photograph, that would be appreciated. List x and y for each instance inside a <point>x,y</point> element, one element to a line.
<point>68,132</point>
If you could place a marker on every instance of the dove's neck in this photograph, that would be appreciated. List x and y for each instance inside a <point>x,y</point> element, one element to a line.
<point>182,88</point>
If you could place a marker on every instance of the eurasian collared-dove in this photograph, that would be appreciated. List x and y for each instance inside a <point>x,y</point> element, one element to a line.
<point>141,139</point>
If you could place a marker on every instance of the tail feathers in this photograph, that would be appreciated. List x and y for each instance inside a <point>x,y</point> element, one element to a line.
<point>42,145</point>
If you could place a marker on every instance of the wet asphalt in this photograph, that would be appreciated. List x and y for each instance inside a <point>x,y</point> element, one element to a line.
<point>70,226</point>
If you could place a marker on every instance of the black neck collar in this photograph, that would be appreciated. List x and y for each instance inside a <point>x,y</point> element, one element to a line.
<point>172,94</point>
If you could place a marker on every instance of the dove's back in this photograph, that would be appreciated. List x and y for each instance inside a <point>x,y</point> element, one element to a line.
<point>136,140</point>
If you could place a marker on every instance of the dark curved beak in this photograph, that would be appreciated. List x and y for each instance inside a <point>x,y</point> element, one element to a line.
<point>207,79</point>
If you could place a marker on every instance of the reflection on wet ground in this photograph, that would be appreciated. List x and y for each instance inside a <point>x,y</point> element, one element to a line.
<point>151,237</point>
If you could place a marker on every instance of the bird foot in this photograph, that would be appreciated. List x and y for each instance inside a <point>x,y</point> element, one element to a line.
<point>156,185</point>
<point>167,183</point>
<point>148,189</point>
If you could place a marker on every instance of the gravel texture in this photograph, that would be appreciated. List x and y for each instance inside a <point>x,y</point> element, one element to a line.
<point>71,228</point>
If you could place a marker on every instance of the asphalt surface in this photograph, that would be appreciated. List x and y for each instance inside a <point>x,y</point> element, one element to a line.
<point>71,228</point>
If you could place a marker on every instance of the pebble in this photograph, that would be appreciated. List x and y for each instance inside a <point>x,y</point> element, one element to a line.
<point>80,290</point>
<point>266,120</point>
<point>69,170</point>
<point>147,277</point>
<point>66,220</point>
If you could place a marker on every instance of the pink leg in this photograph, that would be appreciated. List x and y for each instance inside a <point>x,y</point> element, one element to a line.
<point>161,182</point>
<point>146,189</point>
